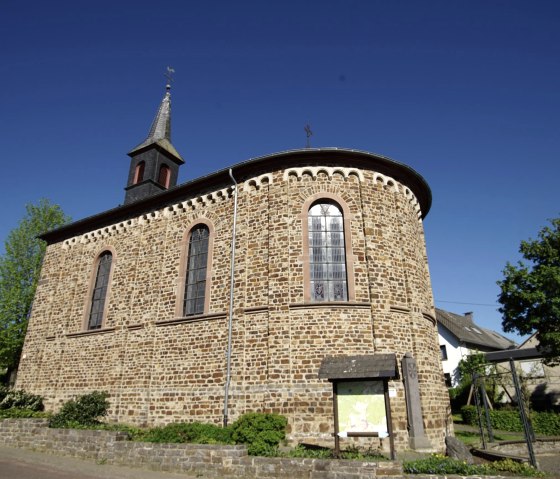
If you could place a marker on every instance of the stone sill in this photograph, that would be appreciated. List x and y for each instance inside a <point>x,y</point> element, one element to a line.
<point>91,332</point>
<point>399,308</point>
<point>330,305</point>
<point>255,309</point>
<point>429,317</point>
<point>192,319</point>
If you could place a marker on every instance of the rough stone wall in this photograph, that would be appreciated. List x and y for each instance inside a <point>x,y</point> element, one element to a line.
<point>160,368</point>
<point>191,460</point>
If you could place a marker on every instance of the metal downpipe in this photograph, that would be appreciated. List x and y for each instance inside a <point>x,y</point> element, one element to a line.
<point>231,290</point>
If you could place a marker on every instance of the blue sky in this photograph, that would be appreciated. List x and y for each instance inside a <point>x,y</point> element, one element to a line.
<point>465,92</point>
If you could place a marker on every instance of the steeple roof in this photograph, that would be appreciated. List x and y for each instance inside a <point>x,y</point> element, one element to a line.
<point>160,131</point>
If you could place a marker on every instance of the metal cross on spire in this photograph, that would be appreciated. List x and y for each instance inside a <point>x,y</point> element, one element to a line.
<point>169,76</point>
<point>308,133</point>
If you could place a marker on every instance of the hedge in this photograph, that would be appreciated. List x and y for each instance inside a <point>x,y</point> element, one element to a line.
<point>545,423</point>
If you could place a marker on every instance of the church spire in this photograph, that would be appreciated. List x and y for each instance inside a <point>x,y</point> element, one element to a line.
<point>161,126</point>
<point>160,131</point>
<point>155,162</point>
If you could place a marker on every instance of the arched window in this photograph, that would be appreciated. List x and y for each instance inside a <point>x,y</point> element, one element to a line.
<point>164,175</point>
<point>327,255</point>
<point>139,172</point>
<point>99,293</point>
<point>195,277</point>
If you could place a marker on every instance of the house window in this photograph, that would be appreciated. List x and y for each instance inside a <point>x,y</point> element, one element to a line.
<point>443,351</point>
<point>197,264</point>
<point>99,293</point>
<point>448,381</point>
<point>139,172</point>
<point>327,255</point>
<point>164,175</point>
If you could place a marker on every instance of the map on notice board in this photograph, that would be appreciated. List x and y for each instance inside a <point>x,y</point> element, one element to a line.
<point>361,407</point>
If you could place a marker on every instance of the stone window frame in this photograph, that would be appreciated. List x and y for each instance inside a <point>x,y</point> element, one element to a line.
<point>91,286</point>
<point>183,263</point>
<point>347,217</point>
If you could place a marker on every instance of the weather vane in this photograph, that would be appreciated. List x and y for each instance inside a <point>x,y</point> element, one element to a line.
<point>169,75</point>
<point>308,133</point>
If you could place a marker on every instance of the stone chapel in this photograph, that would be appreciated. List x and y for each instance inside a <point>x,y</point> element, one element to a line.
<point>294,283</point>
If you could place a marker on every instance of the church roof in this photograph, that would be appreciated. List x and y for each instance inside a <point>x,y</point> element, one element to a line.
<point>277,161</point>
<point>160,131</point>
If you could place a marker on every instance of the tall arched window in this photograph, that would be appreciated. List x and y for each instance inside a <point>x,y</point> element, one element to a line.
<point>99,293</point>
<point>327,255</point>
<point>164,175</point>
<point>197,264</point>
<point>139,172</point>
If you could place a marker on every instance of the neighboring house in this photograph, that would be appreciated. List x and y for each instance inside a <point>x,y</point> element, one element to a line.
<point>542,381</point>
<point>147,302</point>
<point>459,336</point>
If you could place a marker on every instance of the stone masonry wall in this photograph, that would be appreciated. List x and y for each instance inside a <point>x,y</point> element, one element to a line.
<point>160,367</point>
<point>194,460</point>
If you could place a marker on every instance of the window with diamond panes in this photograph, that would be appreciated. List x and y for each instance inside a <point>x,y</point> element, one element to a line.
<point>327,255</point>
<point>195,283</point>
<point>99,294</point>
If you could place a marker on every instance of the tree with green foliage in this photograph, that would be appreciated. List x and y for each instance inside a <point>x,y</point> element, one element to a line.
<point>473,363</point>
<point>530,292</point>
<point>20,267</point>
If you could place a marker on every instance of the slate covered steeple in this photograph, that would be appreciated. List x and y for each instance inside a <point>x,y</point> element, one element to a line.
<point>154,163</point>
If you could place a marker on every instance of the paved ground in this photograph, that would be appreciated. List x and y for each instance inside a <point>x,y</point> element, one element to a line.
<point>23,464</point>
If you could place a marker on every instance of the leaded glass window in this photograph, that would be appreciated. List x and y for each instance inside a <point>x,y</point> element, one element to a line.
<point>327,256</point>
<point>197,262</point>
<point>99,294</point>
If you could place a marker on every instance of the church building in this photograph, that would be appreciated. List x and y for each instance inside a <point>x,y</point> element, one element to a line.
<point>295,283</point>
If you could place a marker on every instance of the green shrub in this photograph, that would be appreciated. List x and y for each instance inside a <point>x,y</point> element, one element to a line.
<point>21,413</point>
<point>437,464</point>
<point>458,396</point>
<point>517,468</point>
<point>547,423</point>
<point>506,420</point>
<point>194,432</point>
<point>311,452</point>
<point>468,413</point>
<point>134,433</point>
<point>11,398</point>
<point>261,432</point>
<point>83,411</point>
<point>441,465</point>
<point>362,454</point>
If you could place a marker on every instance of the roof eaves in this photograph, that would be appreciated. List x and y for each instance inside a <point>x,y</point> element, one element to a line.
<point>414,181</point>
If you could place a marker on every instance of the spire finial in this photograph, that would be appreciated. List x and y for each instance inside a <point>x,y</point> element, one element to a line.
<point>308,133</point>
<point>169,76</point>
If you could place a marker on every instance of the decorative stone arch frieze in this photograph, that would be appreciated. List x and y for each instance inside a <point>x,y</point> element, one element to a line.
<point>258,182</point>
<point>181,279</point>
<point>347,217</point>
<point>192,204</point>
<point>397,187</point>
<point>314,171</point>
